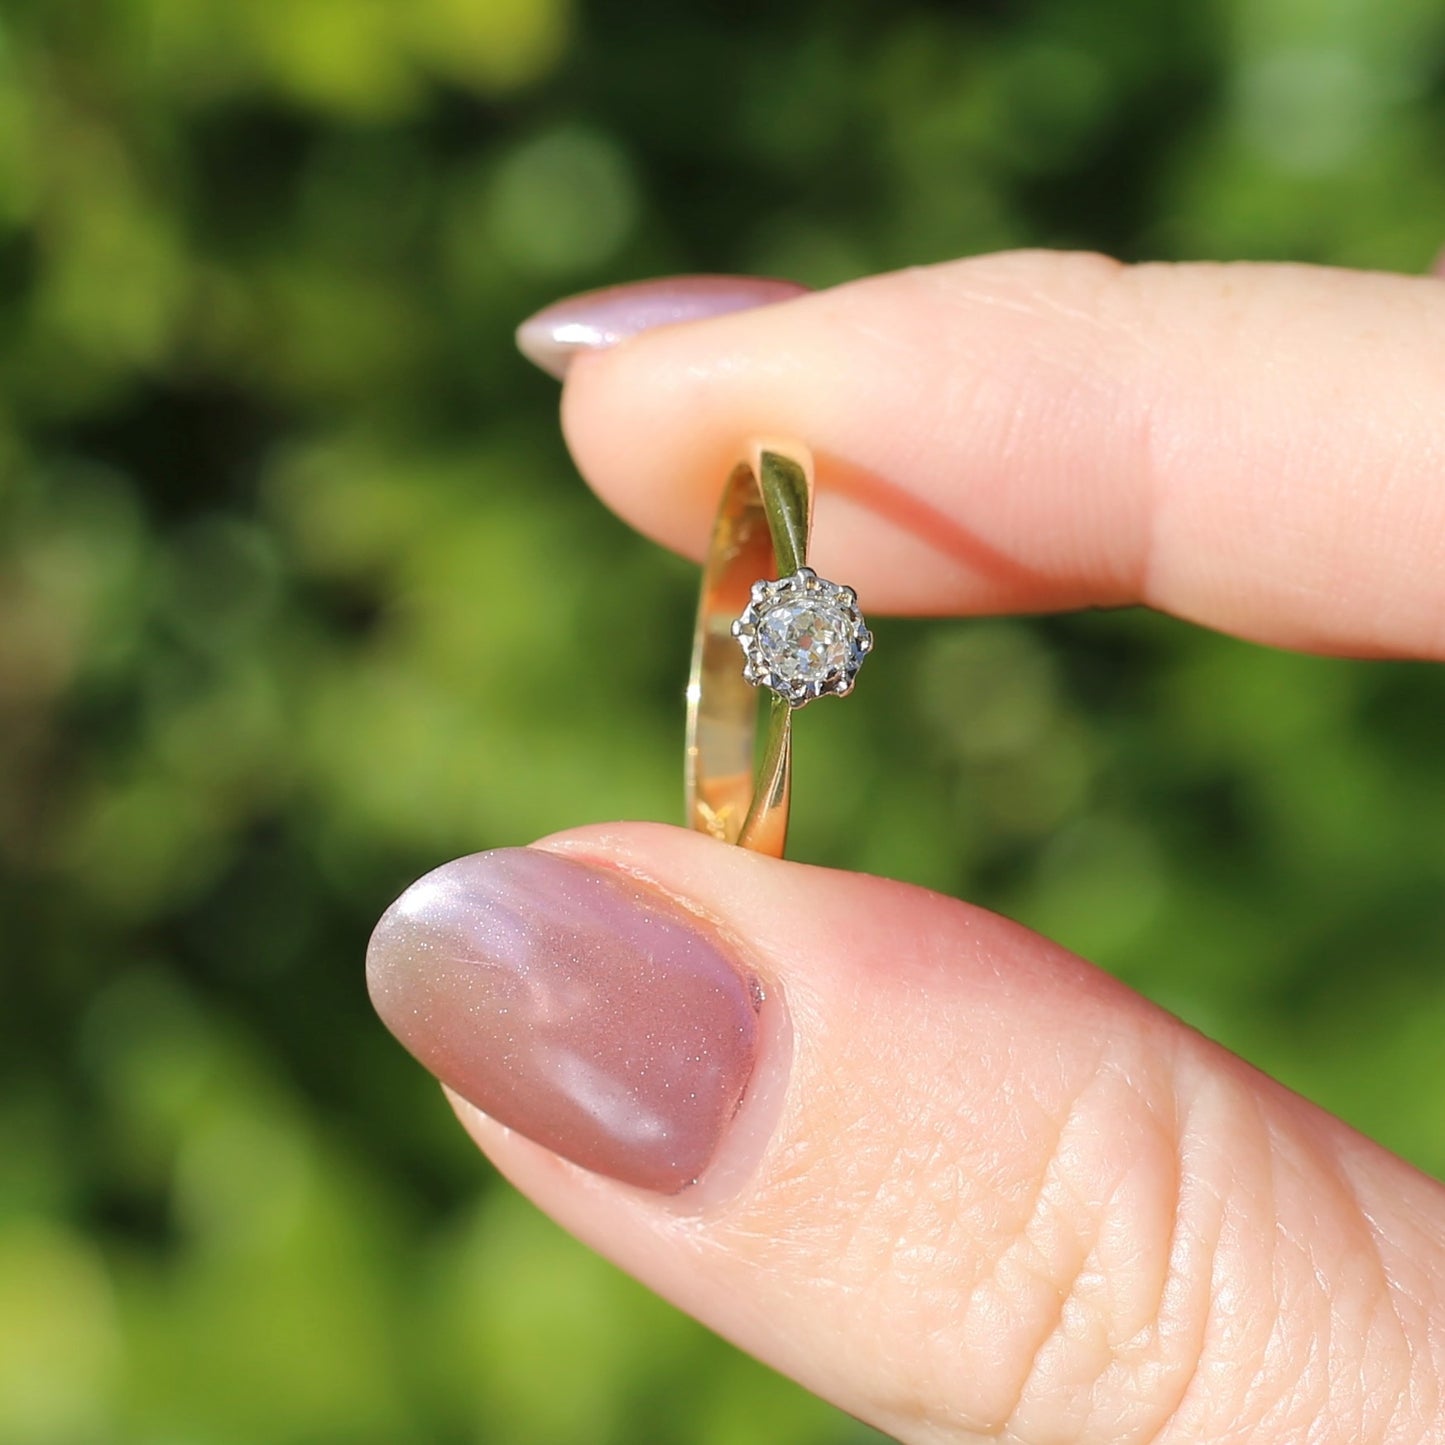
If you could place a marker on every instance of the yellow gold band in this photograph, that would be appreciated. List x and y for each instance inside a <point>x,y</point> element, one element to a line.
<point>762,530</point>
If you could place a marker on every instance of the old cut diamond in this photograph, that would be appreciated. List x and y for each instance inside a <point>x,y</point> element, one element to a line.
<point>804,641</point>
<point>802,636</point>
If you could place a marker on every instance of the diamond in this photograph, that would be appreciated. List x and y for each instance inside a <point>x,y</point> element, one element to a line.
<point>803,636</point>
<point>804,641</point>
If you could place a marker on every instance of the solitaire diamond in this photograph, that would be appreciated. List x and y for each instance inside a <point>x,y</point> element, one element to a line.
<point>803,637</point>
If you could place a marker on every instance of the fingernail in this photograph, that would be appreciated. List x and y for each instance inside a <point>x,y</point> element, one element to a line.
<point>598,319</point>
<point>574,1005</point>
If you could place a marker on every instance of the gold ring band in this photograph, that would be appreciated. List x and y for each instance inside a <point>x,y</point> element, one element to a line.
<point>801,637</point>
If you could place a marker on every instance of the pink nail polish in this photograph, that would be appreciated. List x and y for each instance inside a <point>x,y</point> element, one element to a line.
<point>597,319</point>
<point>574,1005</point>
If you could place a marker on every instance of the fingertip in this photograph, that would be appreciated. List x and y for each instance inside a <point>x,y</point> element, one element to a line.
<point>1034,432</point>
<point>995,1156</point>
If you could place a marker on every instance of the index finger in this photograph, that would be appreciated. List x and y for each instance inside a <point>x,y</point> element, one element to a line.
<point>1260,449</point>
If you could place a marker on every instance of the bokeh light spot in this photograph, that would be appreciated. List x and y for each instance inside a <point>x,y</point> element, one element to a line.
<point>563,201</point>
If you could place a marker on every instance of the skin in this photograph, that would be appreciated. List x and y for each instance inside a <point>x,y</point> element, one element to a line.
<point>1003,1198</point>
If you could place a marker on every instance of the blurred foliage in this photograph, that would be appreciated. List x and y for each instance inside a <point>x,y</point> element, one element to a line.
<point>272,481</point>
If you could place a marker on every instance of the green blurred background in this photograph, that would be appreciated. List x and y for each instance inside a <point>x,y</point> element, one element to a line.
<point>272,483</point>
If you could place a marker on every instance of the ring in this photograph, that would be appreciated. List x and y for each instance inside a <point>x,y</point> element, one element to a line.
<point>765,620</point>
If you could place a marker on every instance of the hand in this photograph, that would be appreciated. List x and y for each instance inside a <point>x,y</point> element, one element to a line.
<point>975,1188</point>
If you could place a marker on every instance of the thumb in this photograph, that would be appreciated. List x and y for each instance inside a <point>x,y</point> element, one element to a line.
<point>947,1176</point>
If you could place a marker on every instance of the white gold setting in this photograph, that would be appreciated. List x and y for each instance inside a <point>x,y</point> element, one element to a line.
<point>803,636</point>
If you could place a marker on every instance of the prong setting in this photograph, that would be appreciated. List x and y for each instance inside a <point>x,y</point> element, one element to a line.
<point>803,637</point>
